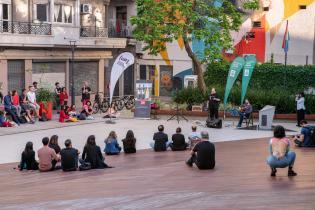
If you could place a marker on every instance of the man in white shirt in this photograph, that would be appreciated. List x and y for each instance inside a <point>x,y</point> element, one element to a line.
<point>31,96</point>
<point>300,108</point>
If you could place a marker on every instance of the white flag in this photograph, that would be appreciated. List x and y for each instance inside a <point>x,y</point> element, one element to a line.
<point>122,62</point>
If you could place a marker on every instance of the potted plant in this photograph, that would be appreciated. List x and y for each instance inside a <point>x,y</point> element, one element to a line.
<point>45,99</point>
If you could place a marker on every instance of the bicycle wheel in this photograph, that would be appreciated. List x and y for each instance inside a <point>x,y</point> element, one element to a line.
<point>95,107</point>
<point>119,104</point>
<point>105,106</point>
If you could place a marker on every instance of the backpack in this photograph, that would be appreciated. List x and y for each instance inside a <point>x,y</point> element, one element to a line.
<point>312,135</point>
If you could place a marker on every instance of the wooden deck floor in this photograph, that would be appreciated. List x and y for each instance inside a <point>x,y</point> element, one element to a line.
<point>149,180</point>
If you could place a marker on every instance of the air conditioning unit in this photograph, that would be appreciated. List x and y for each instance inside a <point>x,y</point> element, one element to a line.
<point>86,8</point>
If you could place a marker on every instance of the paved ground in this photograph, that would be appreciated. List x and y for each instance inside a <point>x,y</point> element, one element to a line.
<point>13,140</point>
<point>149,180</point>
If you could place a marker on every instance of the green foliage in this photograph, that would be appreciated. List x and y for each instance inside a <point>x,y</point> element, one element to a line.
<point>159,22</point>
<point>191,96</point>
<point>44,95</point>
<point>267,76</point>
<point>270,84</point>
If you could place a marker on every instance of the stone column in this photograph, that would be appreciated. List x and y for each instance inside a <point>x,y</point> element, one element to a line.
<point>101,75</point>
<point>4,76</point>
<point>28,72</point>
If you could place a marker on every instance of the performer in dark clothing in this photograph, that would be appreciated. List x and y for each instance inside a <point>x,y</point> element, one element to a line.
<point>214,103</point>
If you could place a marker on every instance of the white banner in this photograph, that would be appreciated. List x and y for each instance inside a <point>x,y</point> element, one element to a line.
<point>122,62</point>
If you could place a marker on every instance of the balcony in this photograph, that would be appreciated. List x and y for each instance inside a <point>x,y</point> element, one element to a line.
<point>25,28</point>
<point>92,31</point>
<point>120,32</point>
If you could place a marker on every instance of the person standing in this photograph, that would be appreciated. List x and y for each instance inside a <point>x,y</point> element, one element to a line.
<point>300,108</point>
<point>63,98</point>
<point>86,93</point>
<point>203,154</point>
<point>214,103</point>
<point>57,92</point>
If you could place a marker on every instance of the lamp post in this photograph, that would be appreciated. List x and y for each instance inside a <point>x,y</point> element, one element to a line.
<point>72,45</point>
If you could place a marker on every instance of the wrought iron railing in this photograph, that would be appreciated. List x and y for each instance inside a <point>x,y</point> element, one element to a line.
<point>119,32</point>
<point>25,28</point>
<point>92,31</point>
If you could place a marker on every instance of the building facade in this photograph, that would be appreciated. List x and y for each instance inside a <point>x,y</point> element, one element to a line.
<point>36,38</point>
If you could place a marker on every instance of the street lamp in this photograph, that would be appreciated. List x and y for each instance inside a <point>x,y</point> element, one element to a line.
<point>72,45</point>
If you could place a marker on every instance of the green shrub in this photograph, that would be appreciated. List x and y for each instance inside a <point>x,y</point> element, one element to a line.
<point>190,96</point>
<point>44,95</point>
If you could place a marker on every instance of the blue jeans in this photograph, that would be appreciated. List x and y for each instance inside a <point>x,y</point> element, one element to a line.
<point>287,160</point>
<point>152,144</point>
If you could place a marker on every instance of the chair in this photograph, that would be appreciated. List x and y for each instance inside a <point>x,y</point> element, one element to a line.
<point>249,120</point>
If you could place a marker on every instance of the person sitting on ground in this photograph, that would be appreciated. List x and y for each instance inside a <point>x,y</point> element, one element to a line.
<point>25,105</point>
<point>10,109</point>
<point>304,139</point>
<point>53,143</point>
<point>86,113</point>
<point>92,154</point>
<point>111,144</point>
<point>31,97</point>
<point>205,157</point>
<point>47,157</point>
<point>16,102</point>
<point>178,141</point>
<point>129,142</point>
<point>280,154</point>
<point>28,161</point>
<point>72,112</point>
<point>4,122</point>
<point>69,157</point>
<point>62,115</point>
<point>160,140</point>
<point>245,110</point>
<point>194,137</point>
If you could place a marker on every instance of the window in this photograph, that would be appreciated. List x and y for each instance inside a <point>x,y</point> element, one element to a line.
<point>257,24</point>
<point>41,12</point>
<point>5,17</point>
<point>63,13</point>
<point>266,9</point>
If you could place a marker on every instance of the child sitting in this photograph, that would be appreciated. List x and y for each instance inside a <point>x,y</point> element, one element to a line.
<point>72,111</point>
<point>4,122</point>
<point>65,116</point>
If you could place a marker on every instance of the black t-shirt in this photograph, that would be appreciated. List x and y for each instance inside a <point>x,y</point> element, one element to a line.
<point>205,155</point>
<point>178,142</point>
<point>69,159</point>
<point>160,139</point>
<point>213,103</point>
<point>86,95</point>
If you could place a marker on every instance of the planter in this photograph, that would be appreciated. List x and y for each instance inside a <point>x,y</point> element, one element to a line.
<point>46,107</point>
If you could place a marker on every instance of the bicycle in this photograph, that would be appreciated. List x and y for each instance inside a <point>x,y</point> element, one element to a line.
<point>97,104</point>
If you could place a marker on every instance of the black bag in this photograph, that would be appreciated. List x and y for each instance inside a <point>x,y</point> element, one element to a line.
<point>22,120</point>
<point>216,123</point>
<point>85,166</point>
<point>312,136</point>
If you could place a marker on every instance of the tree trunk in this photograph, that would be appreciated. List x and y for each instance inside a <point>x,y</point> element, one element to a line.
<point>196,64</point>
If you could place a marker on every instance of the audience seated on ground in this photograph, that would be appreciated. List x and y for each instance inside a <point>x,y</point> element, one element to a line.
<point>47,157</point>
<point>203,153</point>
<point>194,137</point>
<point>28,161</point>
<point>111,144</point>
<point>307,136</point>
<point>69,157</point>
<point>160,140</point>
<point>178,141</point>
<point>72,112</point>
<point>87,111</point>
<point>92,155</point>
<point>280,154</point>
<point>129,142</point>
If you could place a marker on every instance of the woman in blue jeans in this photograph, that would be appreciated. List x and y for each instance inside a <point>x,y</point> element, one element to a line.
<point>280,154</point>
<point>111,144</point>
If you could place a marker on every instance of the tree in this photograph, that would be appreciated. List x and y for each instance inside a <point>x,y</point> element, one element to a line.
<point>163,21</point>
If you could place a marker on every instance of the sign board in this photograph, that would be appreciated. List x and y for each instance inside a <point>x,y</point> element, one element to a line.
<point>143,99</point>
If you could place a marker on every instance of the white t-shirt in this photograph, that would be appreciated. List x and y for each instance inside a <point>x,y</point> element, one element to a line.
<point>31,96</point>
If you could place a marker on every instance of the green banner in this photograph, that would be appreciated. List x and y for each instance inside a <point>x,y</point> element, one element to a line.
<point>234,71</point>
<point>250,62</point>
